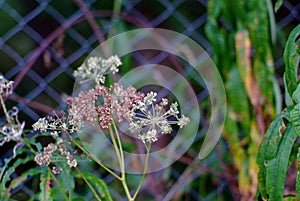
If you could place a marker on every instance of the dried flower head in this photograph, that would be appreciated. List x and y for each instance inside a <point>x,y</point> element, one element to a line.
<point>12,129</point>
<point>82,108</point>
<point>116,103</point>
<point>57,155</point>
<point>6,87</point>
<point>96,68</point>
<point>148,119</point>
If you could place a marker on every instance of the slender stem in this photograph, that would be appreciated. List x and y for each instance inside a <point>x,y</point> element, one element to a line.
<point>94,159</point>
<point>88,183</point>
<point>4,110</point>
<point>126,189</point>
<point>119,150</point>
<point>117,7</point>
<point>122,164</point>
<point>28,145</point>
<point>116,149</point>
<point>112,31</point>
<point>144,172</point>
<point>59,186</point>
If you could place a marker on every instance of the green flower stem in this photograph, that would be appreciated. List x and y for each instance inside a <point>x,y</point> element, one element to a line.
<point>117,7</point>
<point>121,149</point>
<point>27,143</point>
<point>94,159</point>
<point>88,183</point>
<point>125,186</point>
<point>118,151</point>
<point>59,186</point>
<point>144,172</point>
<point>4,110</point>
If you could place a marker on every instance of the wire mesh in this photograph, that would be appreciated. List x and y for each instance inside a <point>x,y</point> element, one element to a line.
<point>42,42</point>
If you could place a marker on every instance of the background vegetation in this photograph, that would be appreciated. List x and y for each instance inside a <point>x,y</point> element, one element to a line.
<point>42,42</point>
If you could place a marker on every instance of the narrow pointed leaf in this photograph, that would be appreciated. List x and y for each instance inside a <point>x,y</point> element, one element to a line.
<point>291,54</point>
<point>277,167</point>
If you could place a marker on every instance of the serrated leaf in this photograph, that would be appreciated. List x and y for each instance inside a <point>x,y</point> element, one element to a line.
<point>11,169</point>
<point>8,160</point>
<point>269,145</point>
<point>29,173</point>
<point>277,167</point>
<point>290,55</point>
<point>268,149</point>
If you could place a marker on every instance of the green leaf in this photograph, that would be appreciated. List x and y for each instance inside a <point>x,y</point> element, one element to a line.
<point>291,55</point>
<point>270,144</point>
<point>237,98</point>
<point>98,183</point>
<point>67,180</point>
<point>17,181</point>
<point>8,160</point>
<point>45,183</point>
<point>10,170</point>
<point>295,118</point>
<point>268,150</point>
<point>277,167</point>
<point>278,5</point>
<point>298,175</point>
<point>290,198</point>
<point>296,94</point>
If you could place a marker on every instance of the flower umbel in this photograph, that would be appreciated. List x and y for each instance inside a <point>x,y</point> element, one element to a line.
<point>117,103</point>
<point>55,124</point>
<point>57,155</point>
<point>149,119</point>
<point>96,68</point>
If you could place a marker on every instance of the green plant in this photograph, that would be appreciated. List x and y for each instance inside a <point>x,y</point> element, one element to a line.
<point>241,34</point>
<point>97,108</point>
<point>280,148</point>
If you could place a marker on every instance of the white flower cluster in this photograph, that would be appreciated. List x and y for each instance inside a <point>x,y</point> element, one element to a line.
<point>148,119</point>
<point>55,125</point>
<point>6,87</point>
<point>96,68</point>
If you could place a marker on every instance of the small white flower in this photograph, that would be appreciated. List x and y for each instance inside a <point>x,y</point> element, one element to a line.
<point>150,136</point>
<point>150,98</point>
<point>183,121</point>
<point>148,119</point>
<point>95,68</point>
<point>41,124</point>
<point>72,163</point>
<point>112,63</point>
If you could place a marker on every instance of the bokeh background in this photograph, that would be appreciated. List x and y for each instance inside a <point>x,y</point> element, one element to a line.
<point>43,41</point>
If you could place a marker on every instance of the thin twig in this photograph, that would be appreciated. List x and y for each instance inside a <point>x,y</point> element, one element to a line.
<point>88,183</point>
<point>30,103</point>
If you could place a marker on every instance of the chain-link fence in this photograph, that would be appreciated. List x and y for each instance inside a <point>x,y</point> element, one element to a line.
<point>43,41</point>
